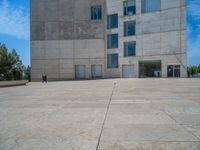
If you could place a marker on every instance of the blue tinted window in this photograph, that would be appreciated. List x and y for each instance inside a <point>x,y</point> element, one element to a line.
<point>112,61</point>
<point>112,41</point>
<point>129,28</point>
<point>129,8</point>
<point>112,21</point>
<point>96,12</point>
<point>151,5</point>
<point>129,49</point>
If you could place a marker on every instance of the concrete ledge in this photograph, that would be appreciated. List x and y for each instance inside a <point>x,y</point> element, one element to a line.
<point>13,83</point>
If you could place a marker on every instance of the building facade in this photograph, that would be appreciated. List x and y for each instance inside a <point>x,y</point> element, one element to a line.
<point>84,39</point>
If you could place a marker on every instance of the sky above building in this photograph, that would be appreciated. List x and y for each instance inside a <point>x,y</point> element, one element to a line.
<point>15,28</point>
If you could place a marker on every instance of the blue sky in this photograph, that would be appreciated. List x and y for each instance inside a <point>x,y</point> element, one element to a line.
<point>15,28</point>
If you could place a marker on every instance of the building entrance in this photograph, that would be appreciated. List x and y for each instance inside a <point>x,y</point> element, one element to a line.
<point>173,71</point>
<point>150,69</point>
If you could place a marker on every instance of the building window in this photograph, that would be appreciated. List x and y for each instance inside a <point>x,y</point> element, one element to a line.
<point>80,71</point>
<point>112,61</point>
<point>129,8</point>
<point>112,21</point>
<point>112,41</point>
<point>129,28</point>
<point>151,5</point>
<point>129,49</point>
<point>96,12</point>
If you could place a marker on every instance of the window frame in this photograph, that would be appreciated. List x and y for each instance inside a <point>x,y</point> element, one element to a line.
<point>150,11</point>
<point>109,21</point>
<point>125,8</point>
<point>109,41</point>
<point>127,50</point>
<point>99,16</point>
<point>126,28</point>
<point>110,56</point>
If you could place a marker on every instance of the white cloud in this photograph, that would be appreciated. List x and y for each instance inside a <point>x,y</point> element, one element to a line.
<point>194,8</point>
<point>14,21</point>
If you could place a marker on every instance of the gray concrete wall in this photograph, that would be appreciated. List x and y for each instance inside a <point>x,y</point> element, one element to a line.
<point>63,35</point>
<point>160,35</point>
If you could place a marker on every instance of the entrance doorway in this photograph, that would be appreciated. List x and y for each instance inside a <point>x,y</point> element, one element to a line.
<point>80,72</point>
<point>150,69</point>
<point>128,71</point>
<point>173,71</point>
<point>96,71</point>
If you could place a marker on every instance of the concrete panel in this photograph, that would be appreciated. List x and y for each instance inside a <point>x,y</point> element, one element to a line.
<point>51,10</point>
<point>89,30</point>
<point>67,31</point>
<point>171,19</point>
<point>37,31</point>
<point>112,73</point>
<point>37,53</point>
<point>149,23</point>
<point>167,4</point>
<point>52,30</point>
<point>151,44</point>
<point>37,10</point>
<point>96,48</point>
<point>83,12</point>
<point>81,49</point>
<point>170,42</point>
<point>66,10</point>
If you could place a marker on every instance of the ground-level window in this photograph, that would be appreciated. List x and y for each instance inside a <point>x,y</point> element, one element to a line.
<point>80,71</point>
<point>129,49</point>
<point>96,71</point>
<point>129,28</point>
<point>112,21</point>
<point>112,41</point>
<point>112,60</point>
<point>151,5</point>
<point>96,13</point>
<point>173,71</point>
<point>129,8</point>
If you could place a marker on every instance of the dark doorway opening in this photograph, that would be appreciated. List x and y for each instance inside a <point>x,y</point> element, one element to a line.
<point>173,71</point>
<point>150,69</point>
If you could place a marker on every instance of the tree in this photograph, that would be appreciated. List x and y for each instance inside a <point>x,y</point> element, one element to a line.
<point>193,70</point>
<point>11,67</point>
<point>199,68</point>
<point>27,73</point>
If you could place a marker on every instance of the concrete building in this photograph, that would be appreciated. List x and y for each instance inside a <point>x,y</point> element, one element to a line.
<point>84,39</point>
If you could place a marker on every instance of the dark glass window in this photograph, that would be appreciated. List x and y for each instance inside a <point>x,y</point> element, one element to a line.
<point>96,12</point>
<point>129,28</point>
<point>129,49</point>
<point>112,61</point>
<point>129,8</point>
<point>112,41</point>
<point>173,71</point>
<point>151,5</point>
<point>112,21</point>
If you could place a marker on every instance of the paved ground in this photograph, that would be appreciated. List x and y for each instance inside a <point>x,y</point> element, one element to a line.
<point>135,114</point>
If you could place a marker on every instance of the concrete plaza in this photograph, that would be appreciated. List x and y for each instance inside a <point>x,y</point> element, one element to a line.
<point>116,114</point>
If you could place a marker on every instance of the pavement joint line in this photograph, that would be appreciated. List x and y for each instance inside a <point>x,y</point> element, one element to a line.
<point>181,125</point>
<point>106,114</point>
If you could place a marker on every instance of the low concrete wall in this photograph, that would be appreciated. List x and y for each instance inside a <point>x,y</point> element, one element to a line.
<point>13,83</point>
